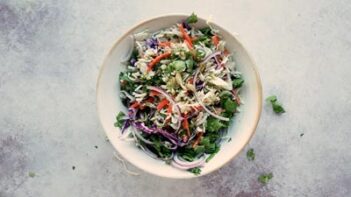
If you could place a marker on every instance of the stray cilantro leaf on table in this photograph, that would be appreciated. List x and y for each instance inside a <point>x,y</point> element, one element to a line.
<point>31,174</point>
<point>250,154</point>
<point>277,107</point>
<point>264,178</point>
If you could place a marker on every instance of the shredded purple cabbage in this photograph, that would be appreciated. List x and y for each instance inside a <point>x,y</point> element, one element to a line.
<point>152,43</point>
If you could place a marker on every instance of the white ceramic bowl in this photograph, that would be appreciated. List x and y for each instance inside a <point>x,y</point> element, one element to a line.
<point>109,103</point>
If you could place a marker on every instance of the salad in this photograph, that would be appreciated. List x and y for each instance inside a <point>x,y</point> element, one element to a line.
<point>181,90</point>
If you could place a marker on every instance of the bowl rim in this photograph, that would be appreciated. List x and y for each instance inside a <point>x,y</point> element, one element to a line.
<point>254,67</point>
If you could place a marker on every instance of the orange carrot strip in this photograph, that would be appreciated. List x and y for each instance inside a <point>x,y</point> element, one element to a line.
<point>198,138</point>
<point>164,44</point>
<point>157,59</point>
<point>135,105</point>
<point>169,109</point>
<point>162,104</point>
<point>215,40</point>
<point>186,37</point>
<point>150,100</point>
<point>186,125</point>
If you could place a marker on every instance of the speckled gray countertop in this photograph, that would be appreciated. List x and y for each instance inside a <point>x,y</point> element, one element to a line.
<point>50,52</point>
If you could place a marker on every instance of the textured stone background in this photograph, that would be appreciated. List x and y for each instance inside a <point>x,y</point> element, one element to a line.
<point>50,52</point>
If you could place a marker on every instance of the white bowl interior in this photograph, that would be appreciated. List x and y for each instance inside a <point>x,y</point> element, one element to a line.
<point>109,103</point>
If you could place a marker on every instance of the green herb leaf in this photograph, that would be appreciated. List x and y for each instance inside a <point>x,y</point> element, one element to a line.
<point>213,154</point>
<point>237,83</point>
<point>178,65</point>
<point>158,147</point>
<point>191,19</point>
<point>213,124</point>
<point>189,65</point>
<point>277,107</point>
<point>230,105</point>
<point>31,174</point>
<point>250,154</point>
<point>195,170</point>
<point>206,31</point>
<point>264,178</point>
<point>200,54</point>
<point>119,120</point>
<point>271,98</point>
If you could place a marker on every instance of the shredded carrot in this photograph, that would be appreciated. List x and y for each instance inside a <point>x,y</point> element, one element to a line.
<point>169,109</point>
<point>164,44</point>
<point>198,138</point>
<point>157,59</point>
<point>150,100</point>
<point>135,105</point>
<point>186,37</point>
<point>162,104</point>
<point>153,93</point>
<point>215,40</point>
<point>186,125</point>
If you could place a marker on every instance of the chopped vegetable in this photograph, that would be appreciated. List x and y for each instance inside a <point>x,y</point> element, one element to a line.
<point>195,170</point>
<point>186,37</point>
<point>250,154</point>
<point>264,178</point>
<point>162,104</point>
<point>119,120</point>
<point>157,59</point>
<point>186,125</point>
<point>213,124</point>
<point>277,107</point>
<point>31,174</point>
<point>237,83</point>
<point>191,19</point>
<point>215,40</point>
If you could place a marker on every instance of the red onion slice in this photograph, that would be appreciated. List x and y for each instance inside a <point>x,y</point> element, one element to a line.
<point>210,56</point>
<point>185,165</point>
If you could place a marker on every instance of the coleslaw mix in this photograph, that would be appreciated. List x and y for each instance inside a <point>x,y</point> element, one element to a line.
<point>181,89</point>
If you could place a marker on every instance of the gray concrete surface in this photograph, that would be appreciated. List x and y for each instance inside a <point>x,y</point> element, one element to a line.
<point>50,52</point>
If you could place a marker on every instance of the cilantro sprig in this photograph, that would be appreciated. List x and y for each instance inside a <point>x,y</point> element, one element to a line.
<point>250,154</point>
<point>265,178</point>
<point>277,107</point>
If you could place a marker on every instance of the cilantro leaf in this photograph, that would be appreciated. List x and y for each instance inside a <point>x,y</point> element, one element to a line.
<point>272,98</point>
<point>200,54</point>
<point>191,19</point>
<point>177,65</point>
<point>264,178</point>
<point>230,105</point>
<point>31,174</point>
<point>189,65</point>
<point>213,124</point>
<point>277,107</point>
<point>119,120</point>
<point>250,154</point>
<point>195,170</point>
<point>206,31</point>
<point>158,147</point>
<point>213,154</point>
<point>237,83</point>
